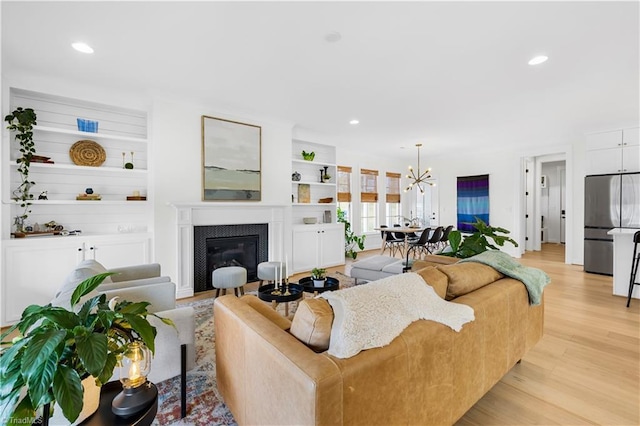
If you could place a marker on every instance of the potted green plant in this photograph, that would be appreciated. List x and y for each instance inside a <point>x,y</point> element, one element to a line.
<point>22,121</point>
<point>309,156</point>
<point>57,348</point>
<point>351,240</point>
<point>318,275</point>
<point>477,242</point>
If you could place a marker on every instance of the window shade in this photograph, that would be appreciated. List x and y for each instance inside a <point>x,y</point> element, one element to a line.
<point>368,186</point>
<point>393,187</point>
<point>344,184</point>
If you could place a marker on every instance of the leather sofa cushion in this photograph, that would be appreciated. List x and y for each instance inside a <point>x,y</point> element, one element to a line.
<point>266,311</point>
<point>467,277</point>
<point>312,323</point>
<point>436,279</point>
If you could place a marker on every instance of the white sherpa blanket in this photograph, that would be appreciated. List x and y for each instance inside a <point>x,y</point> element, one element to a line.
<point>373,314</point>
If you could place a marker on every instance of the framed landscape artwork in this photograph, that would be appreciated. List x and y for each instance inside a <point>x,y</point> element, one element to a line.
<point>231,160</point>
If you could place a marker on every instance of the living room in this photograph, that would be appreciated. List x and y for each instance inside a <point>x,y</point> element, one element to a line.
<point>470,115</point>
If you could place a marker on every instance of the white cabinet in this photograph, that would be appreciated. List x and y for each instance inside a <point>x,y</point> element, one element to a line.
<point>34,268</point>
<point>613,152</point>
<point>317,246</point>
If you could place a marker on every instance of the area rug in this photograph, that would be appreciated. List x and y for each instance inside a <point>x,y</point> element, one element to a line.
<point>204,403</point>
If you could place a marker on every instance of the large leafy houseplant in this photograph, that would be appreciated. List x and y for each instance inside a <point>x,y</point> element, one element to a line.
<point>351,240</point>
<point>56,348</point>
<point>478,241</point>
<point>22,121</point>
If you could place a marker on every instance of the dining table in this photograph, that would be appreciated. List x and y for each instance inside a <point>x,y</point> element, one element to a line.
<point>406,230</point>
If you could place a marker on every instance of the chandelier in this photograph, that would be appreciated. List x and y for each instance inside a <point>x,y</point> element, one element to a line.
<point>419,178</point>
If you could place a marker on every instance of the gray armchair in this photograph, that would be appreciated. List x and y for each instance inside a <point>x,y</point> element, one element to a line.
<point>137,284</point>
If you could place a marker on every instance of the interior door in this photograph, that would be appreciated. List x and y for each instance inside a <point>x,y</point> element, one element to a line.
<point>563,204</point>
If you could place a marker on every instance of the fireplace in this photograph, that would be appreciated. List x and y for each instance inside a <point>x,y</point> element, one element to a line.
<point>228,245</point>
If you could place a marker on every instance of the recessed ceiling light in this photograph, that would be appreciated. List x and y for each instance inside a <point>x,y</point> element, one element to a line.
<point>82,47</point>
<point>538,60</point>
<point>354,122</point>
<point>333,37</point>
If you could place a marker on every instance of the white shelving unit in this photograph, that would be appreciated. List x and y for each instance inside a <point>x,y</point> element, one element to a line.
<point>325,156</point>
<point>322,244</point>
<point>114,231</point>
<point>120,130</point>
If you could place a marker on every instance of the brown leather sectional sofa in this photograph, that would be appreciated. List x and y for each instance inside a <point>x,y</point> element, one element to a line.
<point>429,374</point>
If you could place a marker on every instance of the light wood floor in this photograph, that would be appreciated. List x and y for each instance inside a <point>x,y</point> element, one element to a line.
<point>585,370</point>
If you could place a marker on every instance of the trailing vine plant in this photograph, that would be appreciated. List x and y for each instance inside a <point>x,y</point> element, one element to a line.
<point>22,121</point>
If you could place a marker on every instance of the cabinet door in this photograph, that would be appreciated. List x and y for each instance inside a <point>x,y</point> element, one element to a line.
<point>115,252</point>
<point>602,161</point>
<point>631,159</point>
<point>34,272</point>
<point>332,246</point>
<point>631,137</point>
<point>305,248</point>
<point>604,140</point>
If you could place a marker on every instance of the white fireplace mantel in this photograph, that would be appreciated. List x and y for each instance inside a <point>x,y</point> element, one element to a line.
<point>189,215</point>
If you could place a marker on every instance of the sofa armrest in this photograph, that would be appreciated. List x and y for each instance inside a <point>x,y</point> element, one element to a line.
<point>129,273</point>
<point>166,358</point>
<point>254,354</point>
<point>162,296</point>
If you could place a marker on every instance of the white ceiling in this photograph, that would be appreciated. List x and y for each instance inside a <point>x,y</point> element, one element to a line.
<point>453,76</point>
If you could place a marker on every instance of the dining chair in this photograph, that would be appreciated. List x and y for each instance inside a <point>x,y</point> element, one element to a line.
<point>419,244</point>
<point>434,241</point>
<point>391,242</point>
<point>444,241</point>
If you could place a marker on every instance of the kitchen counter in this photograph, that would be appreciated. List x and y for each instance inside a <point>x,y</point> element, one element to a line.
<point>622,252</point>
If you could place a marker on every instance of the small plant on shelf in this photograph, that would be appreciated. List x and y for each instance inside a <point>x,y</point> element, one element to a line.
<point>22,121</point>
<point>351,240</point>
<point>309,156</point>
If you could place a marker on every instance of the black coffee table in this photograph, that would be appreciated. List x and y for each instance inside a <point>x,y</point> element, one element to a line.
<point>266,293</point>
<point>330,284</point>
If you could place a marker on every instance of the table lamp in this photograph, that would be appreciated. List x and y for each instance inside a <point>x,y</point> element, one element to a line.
<point>137,392</point>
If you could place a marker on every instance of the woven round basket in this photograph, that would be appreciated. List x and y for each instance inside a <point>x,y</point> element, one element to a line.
<point>87,153</point>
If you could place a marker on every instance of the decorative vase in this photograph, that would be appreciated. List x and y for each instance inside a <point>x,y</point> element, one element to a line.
<point>295,176</point>
<point>90,404</point>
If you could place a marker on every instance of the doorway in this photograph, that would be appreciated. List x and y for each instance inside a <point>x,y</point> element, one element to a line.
<point>546,204</point>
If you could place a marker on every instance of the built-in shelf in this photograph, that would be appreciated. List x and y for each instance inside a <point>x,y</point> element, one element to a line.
<point>314,183</point>
<point>76,202</point>
<point>312,163</point>
<point>88,135</point>
<point>74,167</point>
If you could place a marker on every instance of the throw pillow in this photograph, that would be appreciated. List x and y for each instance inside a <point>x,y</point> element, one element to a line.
<point>312,324</point>
<point>467,277</point>
<point>436,279</point>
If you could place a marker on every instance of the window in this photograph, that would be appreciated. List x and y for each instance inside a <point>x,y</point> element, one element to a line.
<point>344,184</point>
<point>394,212</point>
<point>344,191</point>
<point>369,199</point>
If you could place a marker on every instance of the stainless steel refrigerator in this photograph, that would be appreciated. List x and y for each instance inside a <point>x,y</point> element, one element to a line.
<point>610,201</point>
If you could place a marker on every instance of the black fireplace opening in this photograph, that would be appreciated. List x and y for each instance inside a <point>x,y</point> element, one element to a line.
<point>217,246</point>
<point>233,251</point>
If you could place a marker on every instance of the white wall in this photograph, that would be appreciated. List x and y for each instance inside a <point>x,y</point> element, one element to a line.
<point>177,157</point>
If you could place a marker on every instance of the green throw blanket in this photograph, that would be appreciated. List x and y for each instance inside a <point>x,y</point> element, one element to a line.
<point>534,279</point>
